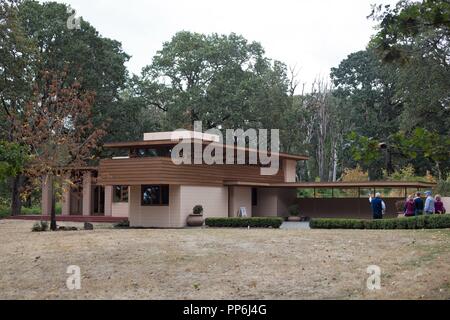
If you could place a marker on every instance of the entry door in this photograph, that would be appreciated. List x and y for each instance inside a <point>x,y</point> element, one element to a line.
<point>99,201</point>
<point>76,201</point>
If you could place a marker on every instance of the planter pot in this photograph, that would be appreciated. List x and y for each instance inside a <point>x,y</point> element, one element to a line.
<point>294,219</point>
<point>195,220</point>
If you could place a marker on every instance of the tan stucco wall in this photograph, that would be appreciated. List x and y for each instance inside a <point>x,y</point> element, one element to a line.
<point>213,199</point>
<point>274,202</point>
<point>182,199</point>
<point>289,169</point>
<point>154,216</point>
<point>239,197</point>
<point>120,209</point>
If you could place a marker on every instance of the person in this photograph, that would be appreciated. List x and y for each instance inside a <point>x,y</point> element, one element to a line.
<point>418,205</point>
<point>378,206</point>
<point>438,205</point>
<point>409,206</point>
<point>429,203</point>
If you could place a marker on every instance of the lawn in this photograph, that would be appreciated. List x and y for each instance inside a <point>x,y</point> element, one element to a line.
<point>223,263</point>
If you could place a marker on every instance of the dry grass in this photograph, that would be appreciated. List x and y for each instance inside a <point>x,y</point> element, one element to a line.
<point>223,263</point>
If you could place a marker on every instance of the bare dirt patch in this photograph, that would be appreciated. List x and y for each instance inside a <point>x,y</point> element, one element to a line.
<point>223,263</point>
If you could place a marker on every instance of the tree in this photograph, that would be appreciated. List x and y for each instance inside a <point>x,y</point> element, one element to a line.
<point>57,126</point>
<point>13,158</point>
<point>16,76</point>
<point>222,80</point>
<point>35,38</point>
<point>96,62</point>
<point>414,37</point>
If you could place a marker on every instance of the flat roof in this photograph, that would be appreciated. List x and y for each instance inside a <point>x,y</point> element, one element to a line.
<point>327,185</point>
<point>169,143</point>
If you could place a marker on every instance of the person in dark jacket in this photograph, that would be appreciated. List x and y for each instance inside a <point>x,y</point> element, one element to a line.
<point>418,205</point>
<point>438,205</point>
<point>377,206</point>
<point>409,207</point>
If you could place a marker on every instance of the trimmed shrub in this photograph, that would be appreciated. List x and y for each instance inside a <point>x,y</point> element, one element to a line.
<point>421,222</point>
<point>40,226</point>
<point>255,222</point>
<point>122,224</point>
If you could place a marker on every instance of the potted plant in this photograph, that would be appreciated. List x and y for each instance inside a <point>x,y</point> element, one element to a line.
<point>294,213</point>
<point>196,218</point>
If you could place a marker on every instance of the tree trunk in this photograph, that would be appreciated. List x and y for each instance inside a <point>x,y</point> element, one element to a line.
<point>53,225</point>
<point>16,201</point>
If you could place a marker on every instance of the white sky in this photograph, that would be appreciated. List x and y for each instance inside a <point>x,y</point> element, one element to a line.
<point>314,35</point>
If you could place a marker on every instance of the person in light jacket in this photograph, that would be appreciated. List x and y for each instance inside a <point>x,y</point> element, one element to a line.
<point>429,203</point>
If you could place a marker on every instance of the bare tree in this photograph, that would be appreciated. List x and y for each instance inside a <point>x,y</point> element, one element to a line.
<point>57,126</point>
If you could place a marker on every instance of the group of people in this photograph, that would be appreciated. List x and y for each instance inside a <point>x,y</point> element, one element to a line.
<point>414,205</point>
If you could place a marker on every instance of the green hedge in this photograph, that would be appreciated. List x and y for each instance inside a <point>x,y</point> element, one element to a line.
<point>5,211</point>
<point>421,222</point>
<point>256,222</point>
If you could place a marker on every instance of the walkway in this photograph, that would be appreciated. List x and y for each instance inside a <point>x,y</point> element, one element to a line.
<point>295,225</point>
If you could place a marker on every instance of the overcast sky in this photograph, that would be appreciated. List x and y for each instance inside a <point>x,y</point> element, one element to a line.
<point>313,35</point>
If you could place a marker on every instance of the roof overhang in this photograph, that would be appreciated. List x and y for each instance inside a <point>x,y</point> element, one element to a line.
<point>327,185</point>
<point>171,143</point>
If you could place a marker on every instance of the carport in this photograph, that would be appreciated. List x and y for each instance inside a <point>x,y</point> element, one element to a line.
<point>350,199</point>
<point>332,199</point>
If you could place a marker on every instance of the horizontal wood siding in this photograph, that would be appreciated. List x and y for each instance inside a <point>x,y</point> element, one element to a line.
<point>154,170</point>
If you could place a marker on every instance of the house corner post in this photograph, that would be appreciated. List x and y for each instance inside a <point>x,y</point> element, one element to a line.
<point>47,195</point>
<point>108,200</point>
<point>87,193</point>
<point>65,210</point>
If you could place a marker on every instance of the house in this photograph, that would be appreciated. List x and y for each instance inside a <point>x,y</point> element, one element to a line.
<point>146,186</point>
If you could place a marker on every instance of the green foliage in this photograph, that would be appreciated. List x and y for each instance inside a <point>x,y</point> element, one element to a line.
<point>364,149</point>
<point>443,188</point>
<point>421,222</point>
<point>408,23</point>
<point>198,209</point>
<point>222,80</point>
<point>254,222</point>
<point>40,226</point>
<point>13,158</point>
<point>5,210</point>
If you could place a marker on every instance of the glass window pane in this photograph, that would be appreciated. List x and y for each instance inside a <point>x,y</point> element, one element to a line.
<point>165,195</point>
<point>323,193</point>
<point>366,192</point>
<point>305,193</point>
<point>151,195</point>
<point>345,193</point>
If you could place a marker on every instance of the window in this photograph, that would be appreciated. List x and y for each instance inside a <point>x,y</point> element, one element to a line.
<point>120,193</point>
<point>155,195</point>
<point>254,196</point>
